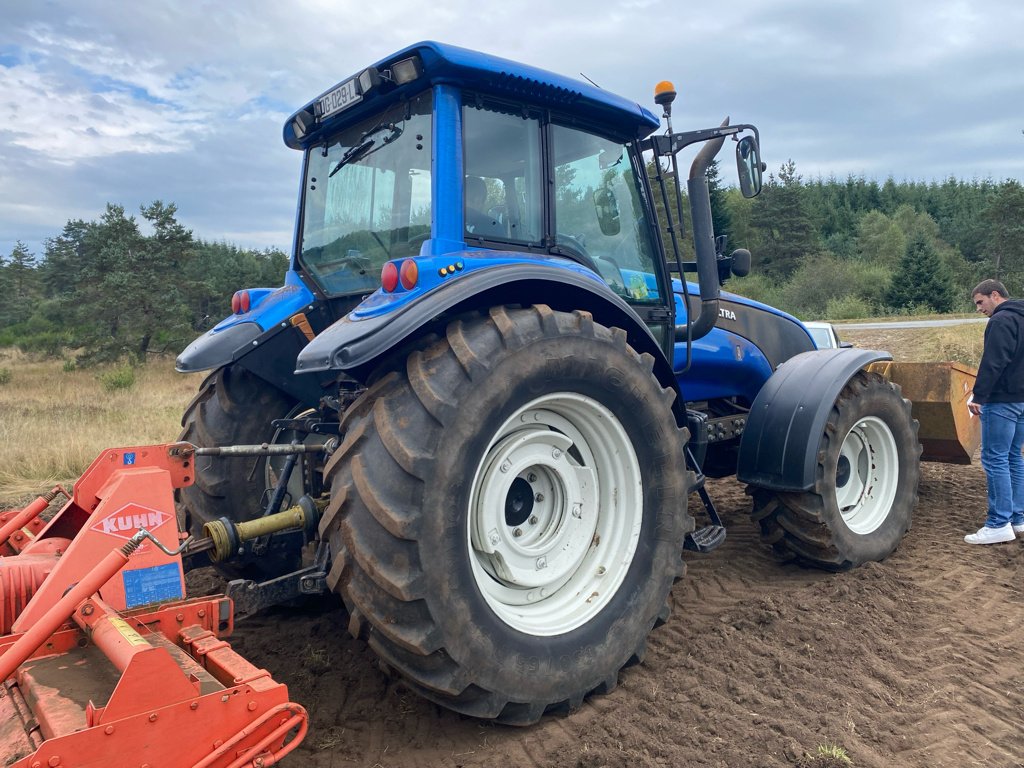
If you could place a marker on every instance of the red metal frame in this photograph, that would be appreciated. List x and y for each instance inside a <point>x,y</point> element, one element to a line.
<point>140,666</point>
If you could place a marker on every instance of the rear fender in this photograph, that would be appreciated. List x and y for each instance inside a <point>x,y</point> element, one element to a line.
<point>264,341</point>
<point>779,447</point>
<point>237,334</point>
<point>356,345</point>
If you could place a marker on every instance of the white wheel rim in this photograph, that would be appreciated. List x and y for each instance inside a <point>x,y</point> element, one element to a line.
<point>555,513</point>
<point>867,475</point>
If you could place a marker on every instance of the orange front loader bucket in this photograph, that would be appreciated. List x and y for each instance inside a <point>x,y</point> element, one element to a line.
<point>104,662</point>
<point>938,393</point>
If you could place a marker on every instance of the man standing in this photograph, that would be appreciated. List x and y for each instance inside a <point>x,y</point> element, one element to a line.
<point>999,400</point>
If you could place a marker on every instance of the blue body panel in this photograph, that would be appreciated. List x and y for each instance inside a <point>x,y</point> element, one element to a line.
<point>271,306</point>
<point>723,363</point>
<point>454,266</point>
<point>462,68</point>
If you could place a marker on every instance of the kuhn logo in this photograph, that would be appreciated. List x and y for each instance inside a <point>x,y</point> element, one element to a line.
<point>126,521</point>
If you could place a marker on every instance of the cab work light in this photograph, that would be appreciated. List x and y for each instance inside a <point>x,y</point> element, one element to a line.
<point>406,70</point>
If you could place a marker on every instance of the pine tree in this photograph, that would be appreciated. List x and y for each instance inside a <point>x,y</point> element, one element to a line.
<point>921,279</point>
<point>721,219</point>
<point>787,234</point>
<point>1005,235</point>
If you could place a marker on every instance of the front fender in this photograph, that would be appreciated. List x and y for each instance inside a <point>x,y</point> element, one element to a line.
<point>779,447</point>
<point>354,343</point>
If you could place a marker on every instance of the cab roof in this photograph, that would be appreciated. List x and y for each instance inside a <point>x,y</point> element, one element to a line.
<point>489,75</point>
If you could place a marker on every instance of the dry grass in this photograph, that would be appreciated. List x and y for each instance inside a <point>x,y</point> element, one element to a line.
<point>959,343</point>
<point>53,422</point>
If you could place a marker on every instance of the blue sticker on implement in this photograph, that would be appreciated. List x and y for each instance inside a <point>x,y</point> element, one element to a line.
<point>129,458</point>
<point>152,585</point>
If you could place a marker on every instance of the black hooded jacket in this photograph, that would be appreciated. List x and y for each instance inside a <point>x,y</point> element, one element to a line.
<point>1001,373</point>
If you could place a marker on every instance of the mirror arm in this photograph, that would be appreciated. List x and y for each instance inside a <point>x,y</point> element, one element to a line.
<point>663,145</point>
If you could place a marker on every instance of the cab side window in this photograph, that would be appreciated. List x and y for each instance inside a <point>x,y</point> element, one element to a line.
<point>503,183</point>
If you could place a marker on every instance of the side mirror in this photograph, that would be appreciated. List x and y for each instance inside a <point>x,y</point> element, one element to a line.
<point>740,262</point>
<point>748,165</point>
<point>607,209</point>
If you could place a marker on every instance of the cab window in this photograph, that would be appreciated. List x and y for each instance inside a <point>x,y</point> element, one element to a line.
<point>502,163</point>
<point>599,213</point>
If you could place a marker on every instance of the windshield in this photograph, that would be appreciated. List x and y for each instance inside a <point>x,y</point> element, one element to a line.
<point>367,198</point>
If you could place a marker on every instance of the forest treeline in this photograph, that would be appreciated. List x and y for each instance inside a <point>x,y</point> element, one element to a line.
<point>838,250</point>
<point>822,249</point>
<point>110,291</point>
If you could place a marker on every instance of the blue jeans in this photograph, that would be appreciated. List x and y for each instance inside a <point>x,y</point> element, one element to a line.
<point>1002,439</point>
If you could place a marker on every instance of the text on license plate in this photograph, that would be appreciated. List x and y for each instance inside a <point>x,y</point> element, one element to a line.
<point>342,97</point>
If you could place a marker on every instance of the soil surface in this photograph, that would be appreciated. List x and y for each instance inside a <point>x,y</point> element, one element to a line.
<point>916,661</point>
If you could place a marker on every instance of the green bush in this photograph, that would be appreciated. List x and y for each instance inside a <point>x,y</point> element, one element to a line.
<point>69,365</point>
<point>118,378</point>
<point>5,375</point>
<point>848,308</point>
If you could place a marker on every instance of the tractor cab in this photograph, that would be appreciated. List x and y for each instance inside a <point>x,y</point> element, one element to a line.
<point>439,161</point>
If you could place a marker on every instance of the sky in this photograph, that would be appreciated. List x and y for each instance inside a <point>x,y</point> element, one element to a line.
<point>127,103</point>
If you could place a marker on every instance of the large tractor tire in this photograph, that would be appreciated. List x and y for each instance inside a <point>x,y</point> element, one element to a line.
<point>866,488</point>
<point>232,407</point>
<point>507,513</point>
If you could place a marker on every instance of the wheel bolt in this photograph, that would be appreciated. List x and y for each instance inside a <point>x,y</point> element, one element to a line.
<point>556,454</point>
<point>532,477</point>
<point>577,510</point>
<point>533,519</point>
<point>517,532</point>
<point>505,466</point>
<point>539,497</point>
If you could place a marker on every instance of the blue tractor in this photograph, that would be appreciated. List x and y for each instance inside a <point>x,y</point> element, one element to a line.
<point>495,392</point>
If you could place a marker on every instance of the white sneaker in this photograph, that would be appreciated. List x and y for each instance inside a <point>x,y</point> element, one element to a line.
<point>1019,529</point>
<point>991,535</point>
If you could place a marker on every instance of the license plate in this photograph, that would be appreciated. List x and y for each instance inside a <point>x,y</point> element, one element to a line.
<point>344,96</point>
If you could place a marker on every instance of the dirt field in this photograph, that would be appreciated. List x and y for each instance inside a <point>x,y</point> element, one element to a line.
<point>917,661</point>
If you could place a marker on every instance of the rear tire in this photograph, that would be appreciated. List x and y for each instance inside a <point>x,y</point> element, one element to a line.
<point>232,407</point>
<point>866,487</point>
<point>508,511</point>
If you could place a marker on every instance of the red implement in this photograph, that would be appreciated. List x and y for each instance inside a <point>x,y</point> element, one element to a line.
<point>103,661</point>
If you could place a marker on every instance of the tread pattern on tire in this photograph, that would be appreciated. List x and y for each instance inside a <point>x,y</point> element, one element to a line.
<point>802,526</point>
<point>377,480</point>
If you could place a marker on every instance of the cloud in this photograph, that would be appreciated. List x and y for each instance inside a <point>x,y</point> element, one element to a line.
<point>185,102</point>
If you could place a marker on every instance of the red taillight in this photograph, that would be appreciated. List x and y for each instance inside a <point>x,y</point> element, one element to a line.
<point>389,277</point>
<point>410,274</point>
<point>240,302</point>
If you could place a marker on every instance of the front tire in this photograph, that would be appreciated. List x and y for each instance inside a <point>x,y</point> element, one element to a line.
<point>507,513</point>
<point>866,485</point>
